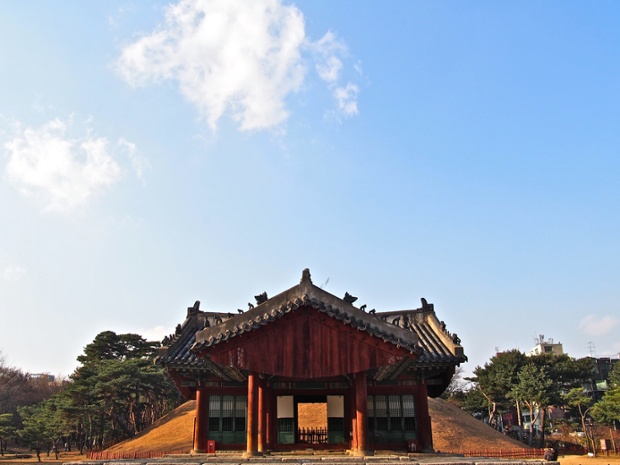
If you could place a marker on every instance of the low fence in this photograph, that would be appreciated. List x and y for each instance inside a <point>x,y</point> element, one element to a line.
<point>490,453</point>
<point>500,453</point>
<point>564,449</point>
<point>109,455</point>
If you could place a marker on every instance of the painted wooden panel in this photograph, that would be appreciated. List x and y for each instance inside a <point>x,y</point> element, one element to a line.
<point>285,407</point>
<point>306,344</point>
<point>335,406</point>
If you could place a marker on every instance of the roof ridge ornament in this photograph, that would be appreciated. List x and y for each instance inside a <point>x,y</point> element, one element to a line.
<point>193,310</point>
<point>261,298</point>
<point>305,276</point>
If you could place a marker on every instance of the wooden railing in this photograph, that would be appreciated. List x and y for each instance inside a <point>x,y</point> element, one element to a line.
<point>312,435</point>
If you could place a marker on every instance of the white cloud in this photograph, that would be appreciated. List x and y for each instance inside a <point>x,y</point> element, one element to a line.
<point>347,99</point>
<point>139,163</point>
<point>330,70</point>
<point>330,51</point>
<point>14,273</point>
<point>594,325</point>
<point>63,172</point>
<point>242,58</point>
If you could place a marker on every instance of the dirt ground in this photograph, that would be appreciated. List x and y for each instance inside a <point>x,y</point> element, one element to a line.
<point>8,459</point>
<point>585,460</point>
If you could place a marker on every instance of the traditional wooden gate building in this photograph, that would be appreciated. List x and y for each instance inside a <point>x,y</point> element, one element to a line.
<point>250,370</point>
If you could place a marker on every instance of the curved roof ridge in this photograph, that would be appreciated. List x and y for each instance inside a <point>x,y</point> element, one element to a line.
<point>306,294</point>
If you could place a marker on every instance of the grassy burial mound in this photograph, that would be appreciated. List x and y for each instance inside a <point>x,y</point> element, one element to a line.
<point>456,430</point>
<point>453,430</point>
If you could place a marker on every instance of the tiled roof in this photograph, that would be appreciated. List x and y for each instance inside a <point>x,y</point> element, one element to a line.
<point>416,330</point>
<point>265,314</point>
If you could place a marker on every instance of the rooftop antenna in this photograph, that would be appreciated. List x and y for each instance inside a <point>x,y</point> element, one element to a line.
<point>592,349</point>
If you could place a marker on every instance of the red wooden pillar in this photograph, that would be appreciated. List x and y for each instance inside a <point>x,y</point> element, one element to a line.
<point>202,419</point>
<point>424,430</point>
<point>268,429</point>
<point>261,416</point>
<point>352,418</point>
<point>361,414</point>
<point>252,439</point>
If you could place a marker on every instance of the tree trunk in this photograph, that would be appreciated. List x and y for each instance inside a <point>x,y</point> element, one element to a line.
<point>101,430</point>
<point>80,437</point>
<point>585,430</point>
<point>492,410</point>
<point>590,439</point>
<point>543,417</point>
<point>531,406</point>
<point>531,435</point>
<point>491,406</point>
<point>519,420</point>
<point>133,424</point>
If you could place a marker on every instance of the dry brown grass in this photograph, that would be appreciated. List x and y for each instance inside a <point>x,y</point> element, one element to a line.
<point>456,430</point>
<point>172,433</point>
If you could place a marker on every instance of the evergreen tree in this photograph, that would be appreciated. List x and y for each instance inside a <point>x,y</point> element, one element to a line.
<point>578,399</point>
<point>117,391</point>
<point>7,430</point>
<point>607,410</point>
<point>614,376</point>
<point>495,380</point>
<point>564,373</point>
<point>34,431</point>
<point>513,379</point>
<point>533,389</point>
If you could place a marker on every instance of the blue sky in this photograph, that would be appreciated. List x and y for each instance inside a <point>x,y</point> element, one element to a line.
<point>153,154</point>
